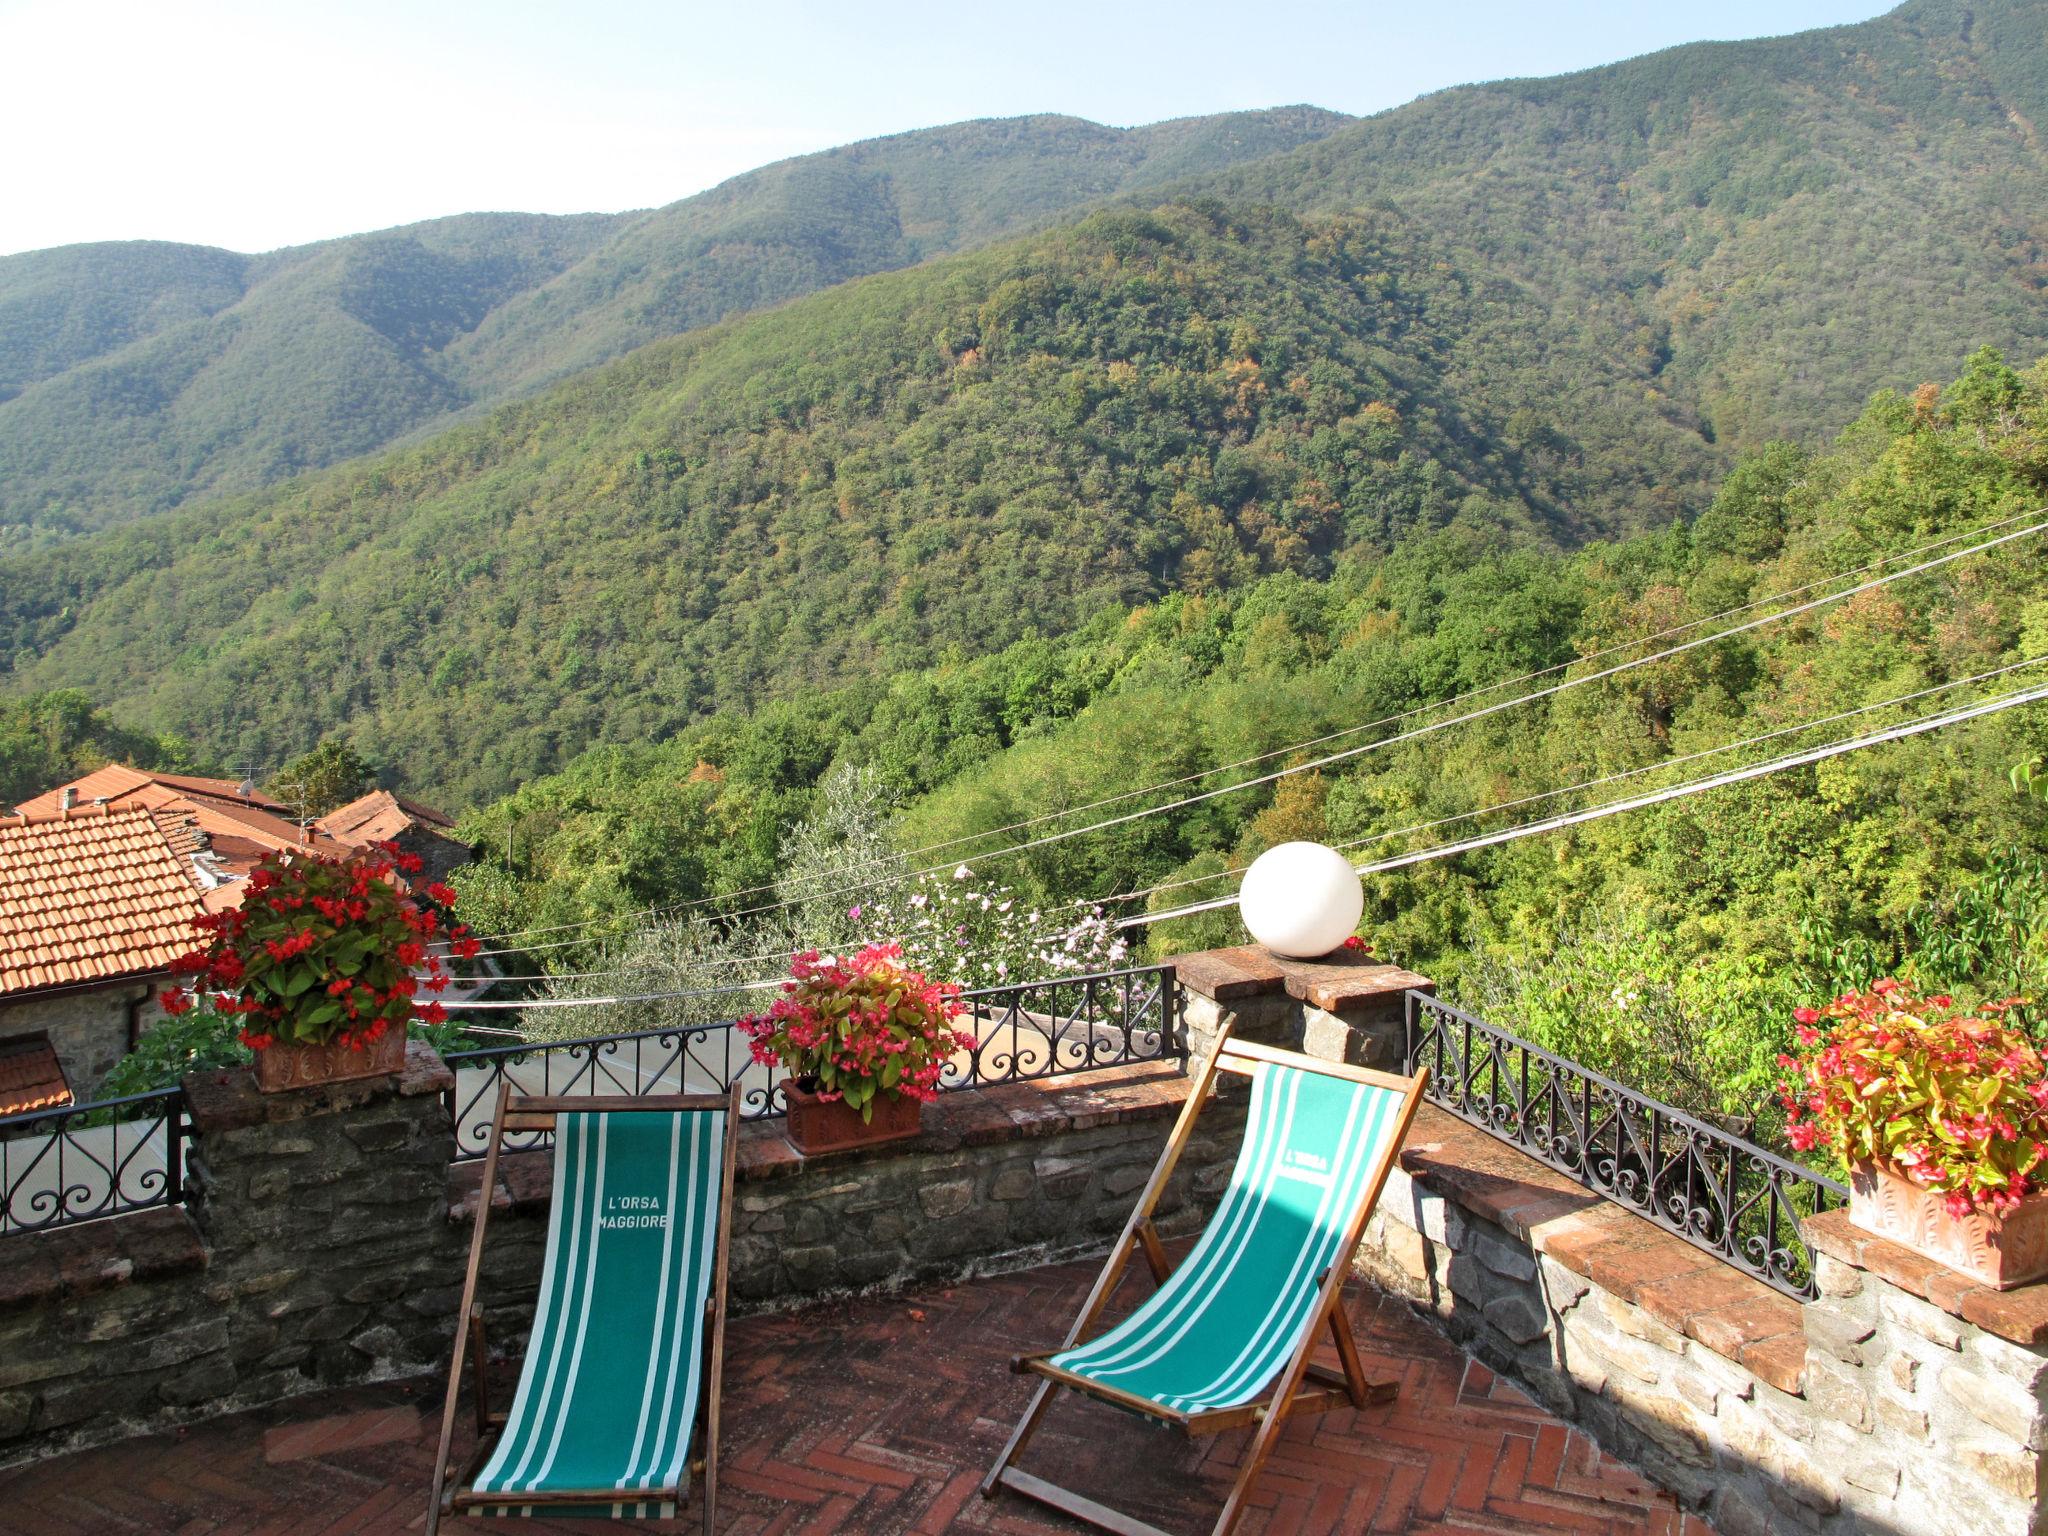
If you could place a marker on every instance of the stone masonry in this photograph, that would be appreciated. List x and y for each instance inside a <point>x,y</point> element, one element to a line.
<point>88,1028</point>
<point>1345,1007</point>
<point>310,1254</point>
<point>320,1212</point>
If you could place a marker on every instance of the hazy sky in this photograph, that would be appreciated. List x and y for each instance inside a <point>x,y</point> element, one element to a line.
<point>255,125</point>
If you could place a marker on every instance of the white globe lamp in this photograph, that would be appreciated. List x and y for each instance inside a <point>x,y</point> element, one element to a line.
<point>1301,900</point>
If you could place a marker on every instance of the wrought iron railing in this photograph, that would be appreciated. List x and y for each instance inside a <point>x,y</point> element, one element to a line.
<point>1738,1201</point>
<point>1074,1024</point>
<point>1031,1030</point>
<point>59,1167</point>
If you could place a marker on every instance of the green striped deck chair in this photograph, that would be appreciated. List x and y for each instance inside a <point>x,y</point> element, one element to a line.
<point>617,1402</point>
<point>1225,1339</point>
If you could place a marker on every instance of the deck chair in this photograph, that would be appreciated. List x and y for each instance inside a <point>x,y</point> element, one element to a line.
<point>621,1373</point>
<point>1226,1338</point>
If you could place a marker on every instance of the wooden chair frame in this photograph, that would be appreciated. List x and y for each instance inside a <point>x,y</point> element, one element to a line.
<point>521,1112</point>
<point>1291,1393</point>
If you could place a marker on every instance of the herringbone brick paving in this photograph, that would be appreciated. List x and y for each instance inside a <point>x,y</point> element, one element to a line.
<point>879,1416</point>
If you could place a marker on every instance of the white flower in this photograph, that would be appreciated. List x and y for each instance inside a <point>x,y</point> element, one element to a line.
<point>918,899</point>
<point>962,872</point>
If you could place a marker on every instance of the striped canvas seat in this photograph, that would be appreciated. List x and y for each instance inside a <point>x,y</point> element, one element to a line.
<point>608,1394</point>
<point>1238,1306</point>
<point>618,1369</point>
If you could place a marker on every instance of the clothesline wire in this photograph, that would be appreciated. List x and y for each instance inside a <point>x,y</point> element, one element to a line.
<point>1277,752</point>
<point>1915,727</point>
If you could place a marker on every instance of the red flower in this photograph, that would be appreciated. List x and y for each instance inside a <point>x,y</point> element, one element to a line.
<point>1969,1092</point>
<point>272,961</point>
<point>174,1001</point>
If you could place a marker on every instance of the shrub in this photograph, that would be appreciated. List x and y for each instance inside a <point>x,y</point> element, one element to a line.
<point>976,934</point>
<point>199,1040</point>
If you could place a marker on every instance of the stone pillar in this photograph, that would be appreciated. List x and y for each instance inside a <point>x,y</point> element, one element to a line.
<point>325,1214</point>
<point>1930,1392</point>
<point>1344,1007</point>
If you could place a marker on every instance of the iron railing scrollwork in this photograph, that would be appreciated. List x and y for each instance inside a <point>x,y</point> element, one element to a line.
<point>1031,1030</point>
<point>59,1167</point>
<point>1071,1024</point>
<point>1737,1200</point>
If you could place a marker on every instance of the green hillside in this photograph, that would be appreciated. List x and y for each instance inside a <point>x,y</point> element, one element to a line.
<point>1554,307</point>
<point>1786,224</point>
<point>136,376</point>
<point>805,224</point>
<point>172,371</point>
<point>60,308</point>
<point>1667,945</point>
<point>954,456</point>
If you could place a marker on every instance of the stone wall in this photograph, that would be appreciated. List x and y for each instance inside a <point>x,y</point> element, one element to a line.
<point>327,1230</point>
<point>1902,1400</point>
<point>88,1029</point>
<point>312,1252</point>
<point>1345,1007</point>
<point>321,1211</point>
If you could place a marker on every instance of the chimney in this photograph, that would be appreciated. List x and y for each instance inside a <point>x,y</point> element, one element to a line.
<point>68,799</point>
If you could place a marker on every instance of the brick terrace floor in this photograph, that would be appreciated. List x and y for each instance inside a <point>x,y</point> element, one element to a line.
<point>880,1416</point>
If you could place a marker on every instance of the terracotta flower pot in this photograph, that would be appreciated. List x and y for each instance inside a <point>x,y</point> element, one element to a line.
<point>1998,1251</point>
<point>830,1125</point>
<point>281,1067</point>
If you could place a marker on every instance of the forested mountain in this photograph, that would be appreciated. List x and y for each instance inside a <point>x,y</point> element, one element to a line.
<point>957,455</point>
<point>804,224</point>
<point>139,374</point>
<point>1549,306</point>
<point>1773,229</point>
<point>136,375</point>
<point>1783,226</point>
<point>1667,945</point>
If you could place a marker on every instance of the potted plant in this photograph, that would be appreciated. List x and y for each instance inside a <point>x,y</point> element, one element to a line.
<point>322,962</point>
<point>1939,1115</point>
<point>864,1041</point>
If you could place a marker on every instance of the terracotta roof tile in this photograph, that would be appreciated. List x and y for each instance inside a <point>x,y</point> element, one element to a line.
<point>240,828</point>
<point>380,816</point>
<point>180,830</point>
<point>117,781</point>
<point>31,1077</point>
<point>90,896</point>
